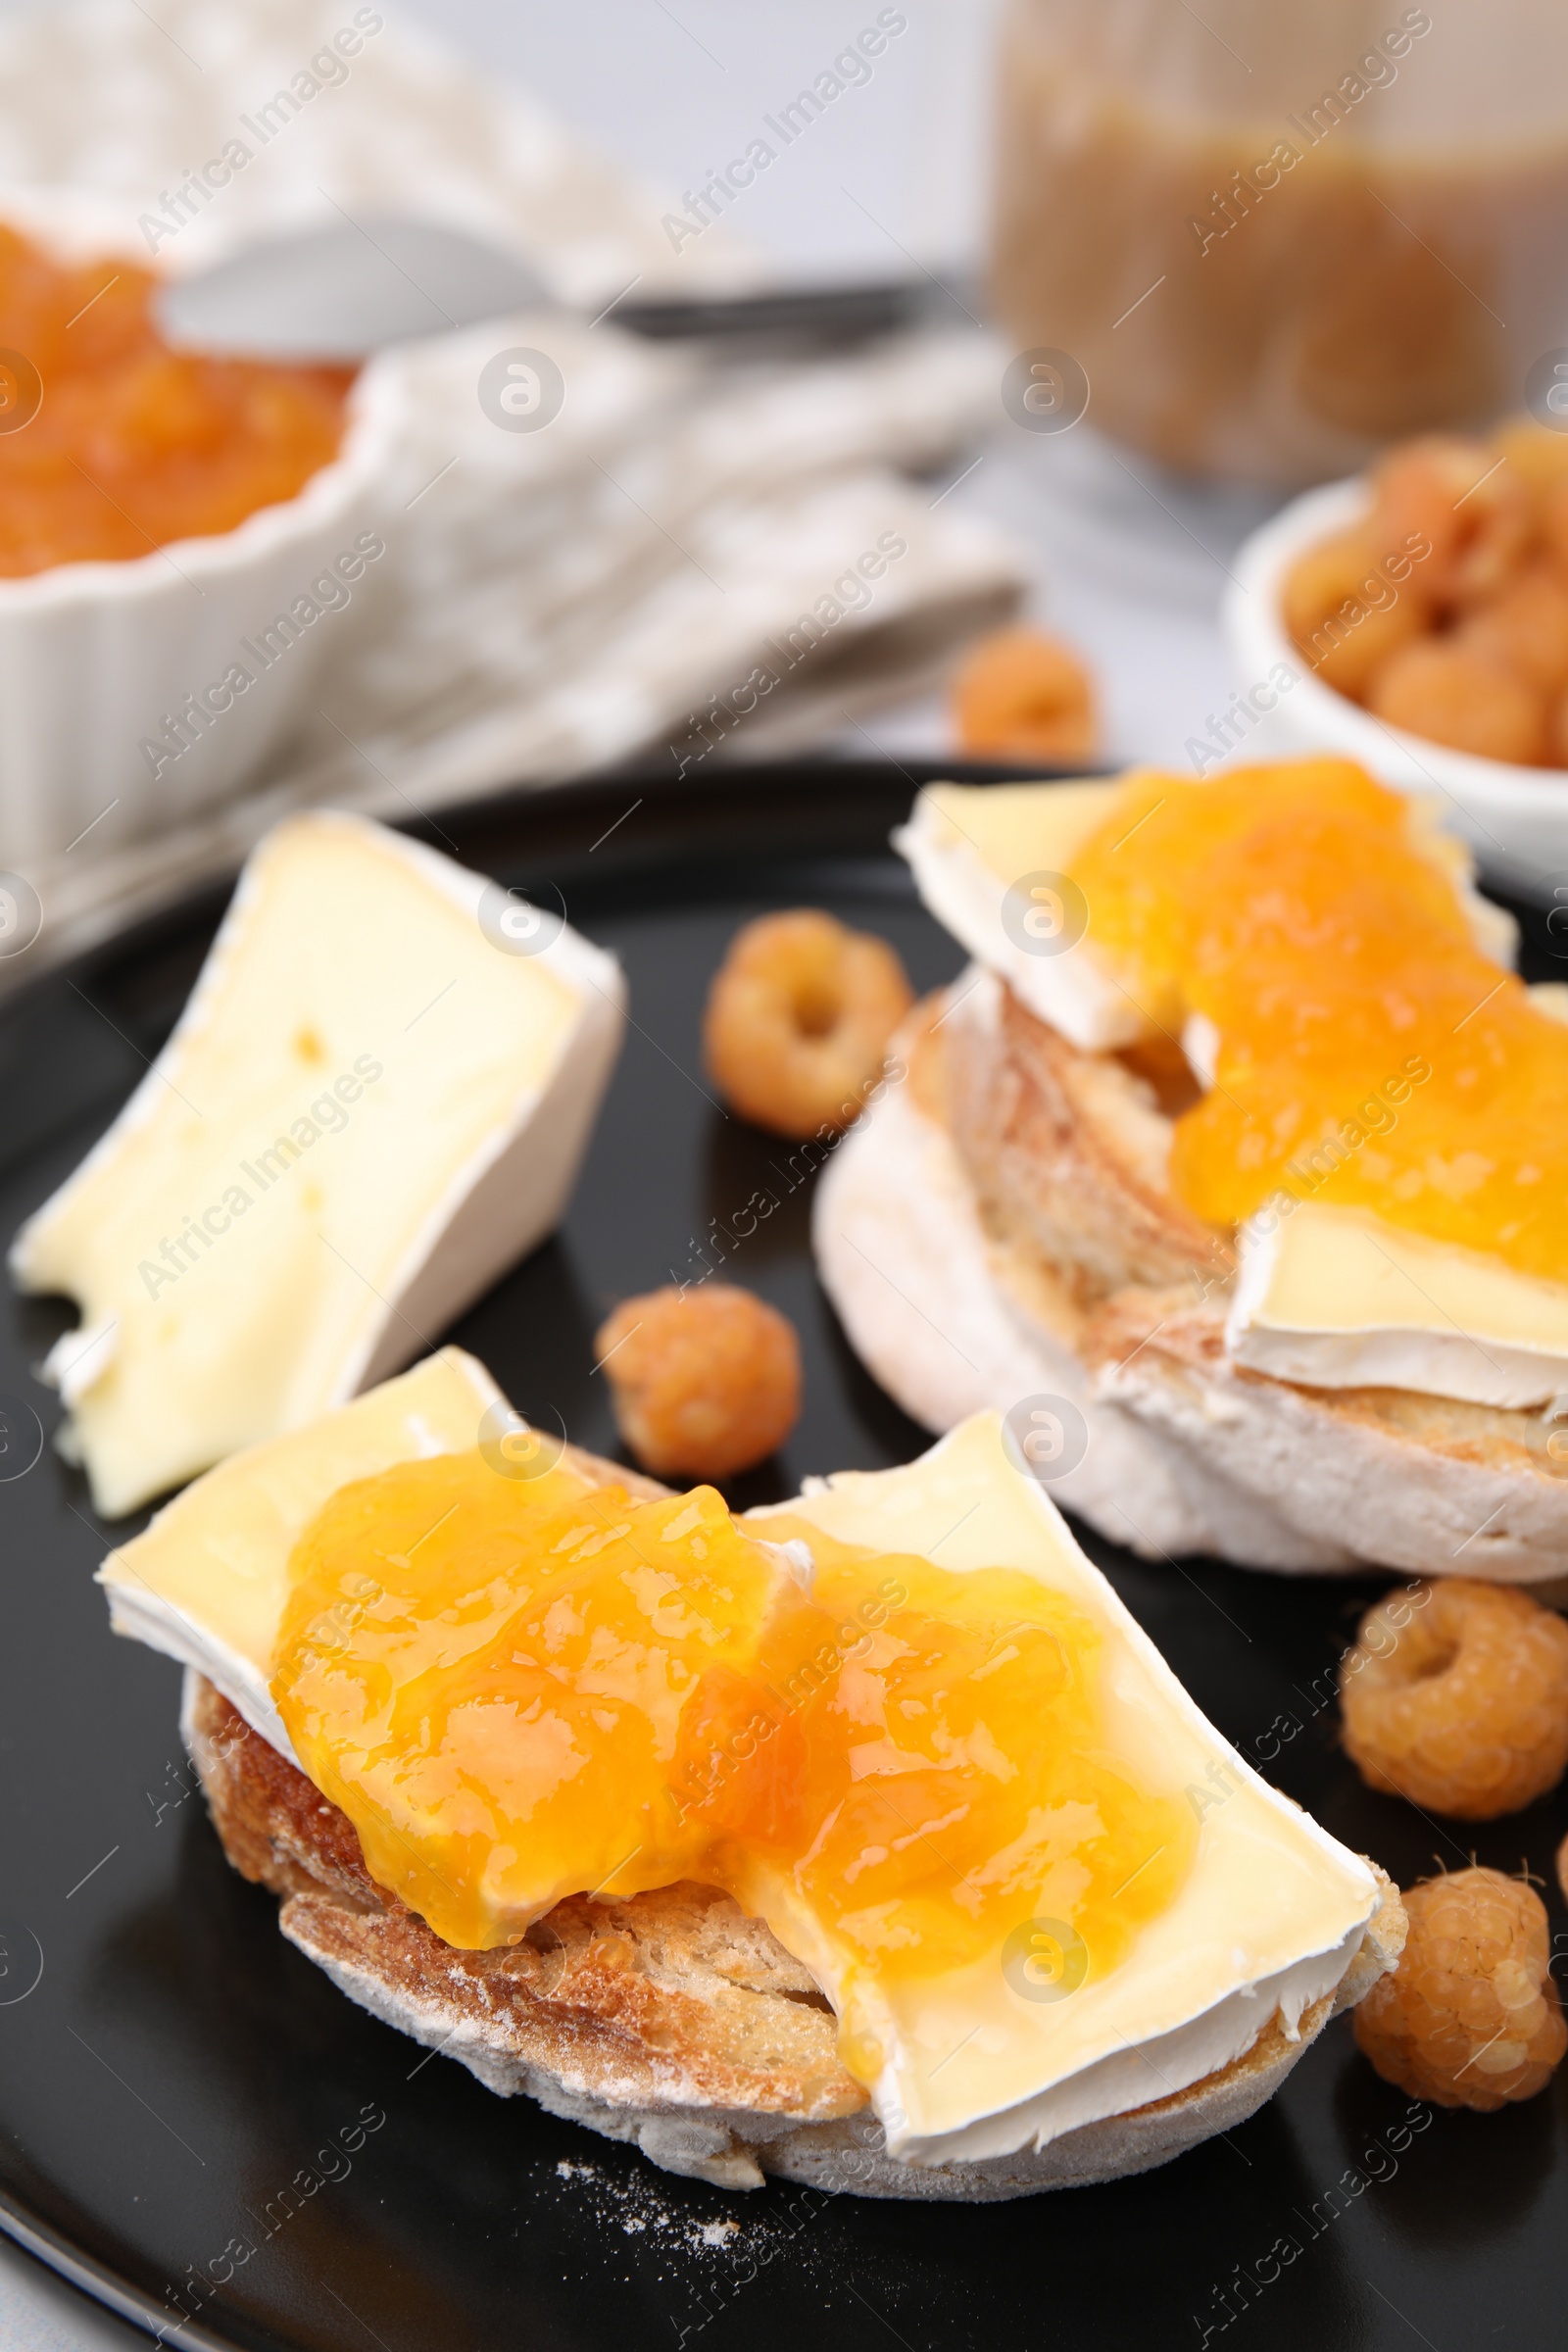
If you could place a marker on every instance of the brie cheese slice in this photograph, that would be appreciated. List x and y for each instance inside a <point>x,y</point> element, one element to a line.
<point>371,1108</point>
<point>1336,1298</point>
<point>1268,1920</point>
<point>987,857</point>
<point>206,1581</point>
<point>971,847</point>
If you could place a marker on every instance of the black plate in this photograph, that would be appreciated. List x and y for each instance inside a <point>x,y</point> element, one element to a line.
<point>179,2077</point>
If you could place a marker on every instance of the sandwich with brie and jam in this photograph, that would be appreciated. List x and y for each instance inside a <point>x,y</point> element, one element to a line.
<point>1233,1169</point>
<point>867,1840</point>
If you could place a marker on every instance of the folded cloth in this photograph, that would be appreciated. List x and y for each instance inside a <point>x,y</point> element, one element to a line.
<point>697,556</point>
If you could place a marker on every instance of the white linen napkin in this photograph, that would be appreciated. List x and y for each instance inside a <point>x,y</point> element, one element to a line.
<point>697,557</point>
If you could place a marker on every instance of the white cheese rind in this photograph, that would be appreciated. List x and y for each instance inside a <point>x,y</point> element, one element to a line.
<point>323,1267</point>
<point>141,1615</point>
<point>1141,2073</point>
<point>1336,1298</point>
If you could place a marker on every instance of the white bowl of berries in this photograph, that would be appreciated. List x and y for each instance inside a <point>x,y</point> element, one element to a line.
<point>1416,619</point>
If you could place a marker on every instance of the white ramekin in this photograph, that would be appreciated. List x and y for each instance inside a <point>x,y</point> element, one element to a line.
<point>1515,818</point>
<point>93,657</point>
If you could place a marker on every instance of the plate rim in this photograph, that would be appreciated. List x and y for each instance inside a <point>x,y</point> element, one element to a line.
<point>755,783</point>
<point>48,2245</point>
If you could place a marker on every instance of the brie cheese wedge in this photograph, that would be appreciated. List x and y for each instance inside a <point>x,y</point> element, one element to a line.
<point>1337,1299</point>
<point>989,860</point>
<point>971,847</point>
<point>1269,1918</point>
<point>370,1108</point>
<point>1266,1921</point>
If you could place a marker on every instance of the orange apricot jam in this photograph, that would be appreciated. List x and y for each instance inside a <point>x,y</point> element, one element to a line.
<point>520,1690</point>
<point>1369,1053</point>
<point>135,445</point>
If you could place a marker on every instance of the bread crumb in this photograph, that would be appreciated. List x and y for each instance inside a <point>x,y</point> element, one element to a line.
<point>715,2233</point>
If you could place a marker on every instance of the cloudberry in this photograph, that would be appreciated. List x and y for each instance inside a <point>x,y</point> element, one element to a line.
<point>1457,1698</point>
<point>705,1382</point>
<point>1470,2018</point>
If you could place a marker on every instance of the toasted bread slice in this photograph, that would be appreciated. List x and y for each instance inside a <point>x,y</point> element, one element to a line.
<point>955,1308</point>
<point>1433,1484</point>
<point>1069,1151</point>
<point>952,1321</point>
<point>668,2020</point>
<point>928,1204</point>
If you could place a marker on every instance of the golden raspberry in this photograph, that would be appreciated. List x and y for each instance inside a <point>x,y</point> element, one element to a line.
<point>1457,1698</point>
<point>1470,2018</point>
<point>799,1020</point>
<point>1021,695</point>
<point>705,1384</point>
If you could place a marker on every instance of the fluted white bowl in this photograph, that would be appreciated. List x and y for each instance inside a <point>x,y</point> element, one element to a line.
<point>95,657</point>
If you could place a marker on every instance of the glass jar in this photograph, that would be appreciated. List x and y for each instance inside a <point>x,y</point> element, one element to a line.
<point>1279,233</point>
